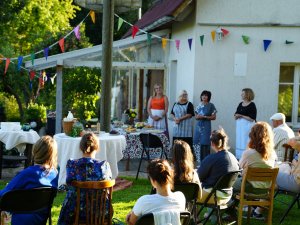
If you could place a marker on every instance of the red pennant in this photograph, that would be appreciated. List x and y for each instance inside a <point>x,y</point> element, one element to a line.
<point>32,74</point>
<point>62,44</point>
<point>225,32</point>
<point>135,29</point>
<point>6,65</point>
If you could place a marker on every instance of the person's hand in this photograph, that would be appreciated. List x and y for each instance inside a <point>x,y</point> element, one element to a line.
<point>177,120</point>
<point>237,116</point>
<point>128,217</point>
<point>156,118</point>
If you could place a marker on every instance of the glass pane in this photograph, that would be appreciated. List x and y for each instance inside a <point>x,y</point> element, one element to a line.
<point>285,101</point>
<point>286,74</point>
<point>298,120</point>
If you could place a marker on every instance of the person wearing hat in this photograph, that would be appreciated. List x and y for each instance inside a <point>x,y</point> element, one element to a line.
<point>282,133</point>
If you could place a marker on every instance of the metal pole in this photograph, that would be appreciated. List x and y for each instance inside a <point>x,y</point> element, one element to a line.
<point>59,95</point>
<point>106,76</point>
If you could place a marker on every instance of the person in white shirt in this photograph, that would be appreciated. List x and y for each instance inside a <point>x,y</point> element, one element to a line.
<point>282,133</point>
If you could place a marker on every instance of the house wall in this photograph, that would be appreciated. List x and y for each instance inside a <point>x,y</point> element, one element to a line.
<point>211,66</point>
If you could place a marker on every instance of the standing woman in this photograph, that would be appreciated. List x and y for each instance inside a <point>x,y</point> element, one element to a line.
<point>182,112</point>
<point>245,117</point>
<point>204,113</point>
<point>157,108</point>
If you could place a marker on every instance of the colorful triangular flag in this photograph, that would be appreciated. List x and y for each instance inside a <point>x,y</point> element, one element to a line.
<point>224,31</point>
<point>201,39</point>
<point>20,60</point>
<point>149,36</point>
<point>77,33</point>
<point>213,35</point>
<point>32,56</point>
<point>135,29</point>
<point>288,42</point>
<point>46,52</point>
<point>120,23</point>
<point>266,44</point>
<point>163,43</point>
<point>246,39</point>
<point>31,74</point>
<point>92,14</point>
<point>177,43</point>
<point>30,85</point>
<point>61,43</point>
<point>190,41</point>
<point>7,62</point>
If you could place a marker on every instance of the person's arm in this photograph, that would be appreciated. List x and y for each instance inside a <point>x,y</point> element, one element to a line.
<point>131,218</point>
<point>166,105</point>
<point>70,171</point>
<point>16,183</point>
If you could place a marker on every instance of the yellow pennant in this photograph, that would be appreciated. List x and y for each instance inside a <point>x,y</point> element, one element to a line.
<point>213,35</point>
<point>92,14</point>
<point>1,58</point>
<point>163,43</point>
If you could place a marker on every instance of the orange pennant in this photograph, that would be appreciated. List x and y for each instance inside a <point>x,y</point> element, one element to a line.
<point>163,43</point>
<point>6,65</point>
<point>92,14</point>
<point>62,44</point>
<point>213,35</point>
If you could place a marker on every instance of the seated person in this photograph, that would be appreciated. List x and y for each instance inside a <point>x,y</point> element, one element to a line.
<point>42,174</point>
<point>288,177</point>
<point>86,168</point>
<point>183,161</point>
<point>162,178</point>
<point>216,165</point>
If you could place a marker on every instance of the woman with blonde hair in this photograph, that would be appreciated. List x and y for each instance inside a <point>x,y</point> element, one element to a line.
<point>86,168</point>
<point>157,108</point>
<point>42,174</point>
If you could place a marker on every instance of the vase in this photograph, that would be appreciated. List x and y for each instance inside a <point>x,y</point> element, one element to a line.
<point>131,121</point>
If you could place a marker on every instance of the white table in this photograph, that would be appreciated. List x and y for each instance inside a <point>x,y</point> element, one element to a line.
<point>111,148</point>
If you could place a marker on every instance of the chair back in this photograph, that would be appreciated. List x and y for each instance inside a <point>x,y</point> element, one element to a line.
<point>97,196</point>
<point>150,141</point>
<point>148,219</point>
<point>288,153</point>
<point>25,201</point>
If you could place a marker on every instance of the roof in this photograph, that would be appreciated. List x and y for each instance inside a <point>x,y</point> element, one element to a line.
<point>160,14</point>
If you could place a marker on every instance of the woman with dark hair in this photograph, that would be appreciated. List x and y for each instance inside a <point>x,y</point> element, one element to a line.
<point>42,174</point>
<point>204,113</point>
<point>245,117</point>
<point>162,178</point>
<point>86,168</point>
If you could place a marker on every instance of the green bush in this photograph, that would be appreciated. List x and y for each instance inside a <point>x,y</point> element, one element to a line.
<point>35,112</point>
<point>11,107</point>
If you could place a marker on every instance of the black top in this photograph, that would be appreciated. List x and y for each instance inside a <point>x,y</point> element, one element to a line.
<point>190,108</point>
<point>216,165</point>
<point>249,110</point>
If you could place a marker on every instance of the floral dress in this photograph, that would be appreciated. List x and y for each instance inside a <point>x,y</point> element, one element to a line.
<point>83,169</point>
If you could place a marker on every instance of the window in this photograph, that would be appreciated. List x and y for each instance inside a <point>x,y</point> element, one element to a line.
<point>289,96</point>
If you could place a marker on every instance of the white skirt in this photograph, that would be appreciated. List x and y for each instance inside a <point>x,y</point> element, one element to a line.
<point>160,124</point>
<point>243,128</point>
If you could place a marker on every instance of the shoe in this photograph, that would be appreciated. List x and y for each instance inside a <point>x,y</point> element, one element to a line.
<point>257,216</point>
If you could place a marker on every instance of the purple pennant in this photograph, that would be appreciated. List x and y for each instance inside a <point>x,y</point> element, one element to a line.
<point>46,52</point>
<point>20,60</point>
<point>190,40</point>
<point>77,33</point>
<point>267,44</point>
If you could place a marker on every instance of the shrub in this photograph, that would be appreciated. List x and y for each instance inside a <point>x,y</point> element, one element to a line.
<point>35,112</point>
<point>11,107</point>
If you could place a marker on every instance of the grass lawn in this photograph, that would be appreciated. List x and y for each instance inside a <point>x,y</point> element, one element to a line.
<point>124,200</point>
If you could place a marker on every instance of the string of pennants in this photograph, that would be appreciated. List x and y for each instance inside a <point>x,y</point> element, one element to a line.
<point>218,34</point>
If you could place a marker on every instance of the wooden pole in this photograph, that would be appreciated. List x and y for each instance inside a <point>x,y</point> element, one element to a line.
<point>106,76</point>
<point>59,93</point>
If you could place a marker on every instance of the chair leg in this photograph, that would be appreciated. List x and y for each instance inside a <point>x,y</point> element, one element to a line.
<point>240,214</point>
<point>270,214</point>
<point>296,199</point>
<point>137,174</point>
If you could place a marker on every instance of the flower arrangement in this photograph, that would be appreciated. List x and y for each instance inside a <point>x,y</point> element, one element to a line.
<point>131,113</point>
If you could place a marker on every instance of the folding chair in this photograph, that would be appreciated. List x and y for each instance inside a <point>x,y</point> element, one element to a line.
<point>262,197</point>
<point>288,153</point>
<point>149,141</point>
<point>148,219</point>
<point>28,201</point>
<point>224,182</point>
<point>97,195</point>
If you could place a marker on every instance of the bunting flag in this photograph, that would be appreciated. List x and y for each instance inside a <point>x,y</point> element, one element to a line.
<point>32,57</point>
<point>266,44</point>
<point>288,42</point>
<point>190,40</point>
<point>201,39</point>
<point>20,60</point>
<point>164,43</point>
<point>46,52</point>
<point>30,85</point>
<point>213,35</point>
<point>41,82</point>
<point>149,37</point>
<point>92,14</point>
<point>1,57</point>
<point>77,33</point>
<point>52,78</point>
<point>31,74</point>
<point>177,43</point>
<point>225,32</point>
<point>135,29</point>
<point>7,61</point>
<point>120,23</point>
<point>61,43</point>
<point>246,39</point>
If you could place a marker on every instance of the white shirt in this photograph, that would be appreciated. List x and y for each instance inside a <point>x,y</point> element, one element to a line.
<point>155,203</point>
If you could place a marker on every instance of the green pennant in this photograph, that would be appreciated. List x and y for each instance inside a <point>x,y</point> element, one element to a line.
<point>32,56</point>
<point>246,39</point>
<point>288,42</point>
<point>120,22</point>
<point>149,38</point>
<point>201,39</point>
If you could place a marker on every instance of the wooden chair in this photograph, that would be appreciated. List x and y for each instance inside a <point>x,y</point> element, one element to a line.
<point>288,153</point>
<point>148,219</point>
<point>149,141</point>
<point>262,197</point>
<point>28,201</point>
<point>97,195</point>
